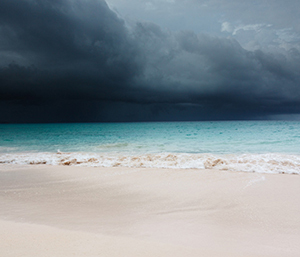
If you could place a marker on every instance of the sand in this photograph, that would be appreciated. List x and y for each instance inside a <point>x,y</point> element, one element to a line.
<point>78,211</point>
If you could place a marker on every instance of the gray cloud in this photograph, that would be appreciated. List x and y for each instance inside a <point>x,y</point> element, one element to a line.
<point>76,60</point>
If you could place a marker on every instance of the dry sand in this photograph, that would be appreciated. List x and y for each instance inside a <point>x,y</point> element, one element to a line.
<point>76,211</point>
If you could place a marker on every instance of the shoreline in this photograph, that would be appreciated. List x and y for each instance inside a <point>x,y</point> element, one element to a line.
<point>263,163</point>
<point>147,212</point>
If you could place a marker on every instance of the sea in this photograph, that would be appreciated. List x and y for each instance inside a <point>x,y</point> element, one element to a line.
<point>243,146</point>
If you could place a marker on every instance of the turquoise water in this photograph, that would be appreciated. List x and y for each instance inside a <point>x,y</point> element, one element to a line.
<point>161,144</point>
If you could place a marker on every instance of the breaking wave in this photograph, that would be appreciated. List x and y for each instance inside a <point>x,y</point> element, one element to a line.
<point>262,163</point>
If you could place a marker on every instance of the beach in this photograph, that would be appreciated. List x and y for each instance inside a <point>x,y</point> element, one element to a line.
<point>117,211</point>
<point>149,128</point>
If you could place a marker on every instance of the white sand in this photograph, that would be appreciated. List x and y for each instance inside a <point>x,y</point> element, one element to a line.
<point>75,211</point>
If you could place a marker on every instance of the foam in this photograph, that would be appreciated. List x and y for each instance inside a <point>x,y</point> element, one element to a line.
<point>261,163</point>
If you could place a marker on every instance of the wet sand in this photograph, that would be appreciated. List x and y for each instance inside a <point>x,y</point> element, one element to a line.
<point>78,211</point>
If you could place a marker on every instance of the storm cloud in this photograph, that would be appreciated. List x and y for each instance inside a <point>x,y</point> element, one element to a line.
<point>77,60</point>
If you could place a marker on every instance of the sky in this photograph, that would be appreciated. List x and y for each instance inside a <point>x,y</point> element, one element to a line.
<point>155,60</point>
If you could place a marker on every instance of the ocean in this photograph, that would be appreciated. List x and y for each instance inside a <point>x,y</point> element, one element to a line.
<point>249,146</point>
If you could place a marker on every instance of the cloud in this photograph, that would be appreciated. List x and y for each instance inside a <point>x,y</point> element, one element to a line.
<point>255,27</point>
<point>76,60</point>
<point>226,27</point>
<point>262,36</point>
<point>68,45</point>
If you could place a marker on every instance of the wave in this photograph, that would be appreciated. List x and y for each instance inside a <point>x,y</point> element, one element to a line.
<point>115,145</point>
<point>262,163</point>
<point>5,149</point>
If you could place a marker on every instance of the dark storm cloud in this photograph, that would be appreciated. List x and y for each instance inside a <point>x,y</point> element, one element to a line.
<point>201,69</point>
<point>63,49</point>
<point>76,60</point>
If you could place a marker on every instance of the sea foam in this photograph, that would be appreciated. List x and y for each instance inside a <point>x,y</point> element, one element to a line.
<point>261,163</point>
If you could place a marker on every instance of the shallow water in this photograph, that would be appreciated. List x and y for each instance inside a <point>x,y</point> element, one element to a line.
<point>256,146</point>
